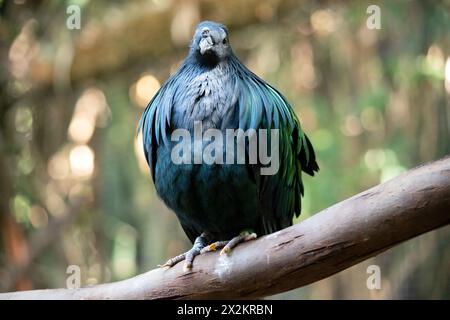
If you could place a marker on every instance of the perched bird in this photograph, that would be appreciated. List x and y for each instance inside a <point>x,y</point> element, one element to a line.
<point>221,205</point>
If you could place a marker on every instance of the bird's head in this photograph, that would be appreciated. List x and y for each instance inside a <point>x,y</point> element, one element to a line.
<point>210,42</point>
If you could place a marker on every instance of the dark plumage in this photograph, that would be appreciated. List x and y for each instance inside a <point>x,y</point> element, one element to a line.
<point>214,87</point>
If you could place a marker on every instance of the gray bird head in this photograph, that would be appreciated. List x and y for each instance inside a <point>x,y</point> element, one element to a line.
<point>210,42</point>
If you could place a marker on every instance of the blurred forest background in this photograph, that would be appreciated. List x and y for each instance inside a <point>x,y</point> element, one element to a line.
<point>75,188</point>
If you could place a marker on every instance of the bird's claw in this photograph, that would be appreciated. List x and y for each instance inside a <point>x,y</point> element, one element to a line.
<point>227,246</point>
<point>188,256</point>
<point>243,237</point>
<point>187,267</point>
<point>173,261</point>
<point>200,248</point>
<point>214,246</point>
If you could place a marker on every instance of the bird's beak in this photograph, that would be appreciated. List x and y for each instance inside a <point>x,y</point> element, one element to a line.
<point>206,44</point>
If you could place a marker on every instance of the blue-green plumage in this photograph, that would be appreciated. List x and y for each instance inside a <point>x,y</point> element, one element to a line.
<point>213,87</point>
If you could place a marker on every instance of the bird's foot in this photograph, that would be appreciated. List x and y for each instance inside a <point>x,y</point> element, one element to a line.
<point>189,256</point>
<point>227,246</point>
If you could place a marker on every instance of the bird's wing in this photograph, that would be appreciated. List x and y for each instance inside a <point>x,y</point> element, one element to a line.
<point>154,122</point>
<point>262,107</point>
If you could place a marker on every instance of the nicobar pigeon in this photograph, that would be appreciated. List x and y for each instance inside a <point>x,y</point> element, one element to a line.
<point>222,205</point>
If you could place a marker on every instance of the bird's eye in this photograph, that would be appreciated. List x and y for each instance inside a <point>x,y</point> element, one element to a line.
<point>224,41</point>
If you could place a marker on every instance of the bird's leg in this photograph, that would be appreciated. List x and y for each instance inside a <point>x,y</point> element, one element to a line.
<point>214,246</point>
<point>227,246</point>
<point>188,257</point>
<point>243,237</point>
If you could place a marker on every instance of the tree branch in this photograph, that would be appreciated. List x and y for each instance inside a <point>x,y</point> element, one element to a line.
<point>332,240</point>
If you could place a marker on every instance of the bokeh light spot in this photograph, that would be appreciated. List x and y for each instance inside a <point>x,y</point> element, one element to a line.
<point>82,161</point>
